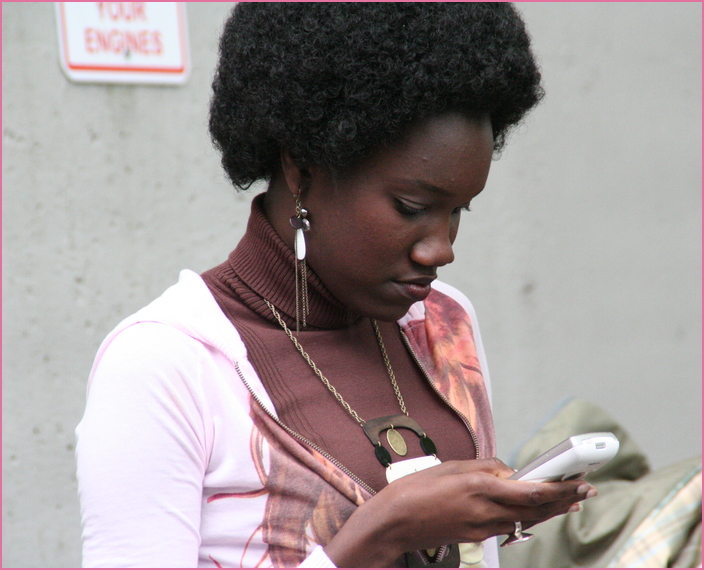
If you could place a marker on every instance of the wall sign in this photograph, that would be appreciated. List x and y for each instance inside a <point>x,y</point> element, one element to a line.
<point>123,42</point>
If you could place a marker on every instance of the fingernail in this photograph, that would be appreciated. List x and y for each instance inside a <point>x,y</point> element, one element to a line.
<point>576,508</point>
<point>592,493</point>
<point>584,488</point>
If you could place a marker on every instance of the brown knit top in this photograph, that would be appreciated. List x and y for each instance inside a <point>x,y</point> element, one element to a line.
<point>342,345</point>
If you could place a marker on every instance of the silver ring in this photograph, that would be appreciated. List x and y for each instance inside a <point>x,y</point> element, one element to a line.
<point>518,535</point>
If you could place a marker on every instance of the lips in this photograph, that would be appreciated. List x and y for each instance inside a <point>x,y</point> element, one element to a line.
<point>415,289</point>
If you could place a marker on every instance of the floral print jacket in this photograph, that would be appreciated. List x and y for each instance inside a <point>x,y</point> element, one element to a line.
<point>183,462</point>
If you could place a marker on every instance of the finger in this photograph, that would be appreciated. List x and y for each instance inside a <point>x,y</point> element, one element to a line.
<point>509,527</point>
<point>535,501</point>
<point>506,515</point>
<point>534,515</point>
<point>525,493</point>
<point>539,513</point>
<point>538,502</point>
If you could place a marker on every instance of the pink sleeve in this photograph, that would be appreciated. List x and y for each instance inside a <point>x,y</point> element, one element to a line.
<point>142,452</point>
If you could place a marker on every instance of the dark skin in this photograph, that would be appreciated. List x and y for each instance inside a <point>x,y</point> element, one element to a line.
<point>379,234</point>
<point>457,501</point>
<point>377,237</point>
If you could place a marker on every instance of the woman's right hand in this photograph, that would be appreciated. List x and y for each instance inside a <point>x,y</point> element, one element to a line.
<point>458,501</point>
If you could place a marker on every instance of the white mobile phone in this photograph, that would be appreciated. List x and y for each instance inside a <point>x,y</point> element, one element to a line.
<point>571,459</point>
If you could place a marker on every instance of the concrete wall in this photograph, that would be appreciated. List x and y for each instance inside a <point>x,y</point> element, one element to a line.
<point>582,256</point>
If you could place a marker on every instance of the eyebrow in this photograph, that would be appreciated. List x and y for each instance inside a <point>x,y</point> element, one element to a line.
<point>423,185</point>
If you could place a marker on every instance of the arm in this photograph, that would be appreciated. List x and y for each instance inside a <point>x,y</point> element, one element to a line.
<point>142,453</point>
<point>458,501</point>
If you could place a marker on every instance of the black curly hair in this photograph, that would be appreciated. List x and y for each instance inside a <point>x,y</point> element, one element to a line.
<point>333,81</point>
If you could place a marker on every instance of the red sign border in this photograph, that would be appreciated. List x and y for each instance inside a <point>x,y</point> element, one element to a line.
<point>177,70</point>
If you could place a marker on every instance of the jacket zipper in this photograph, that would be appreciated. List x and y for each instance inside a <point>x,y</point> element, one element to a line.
<point>440,554</point>
<point>444,399</point>
<point>303,439</point>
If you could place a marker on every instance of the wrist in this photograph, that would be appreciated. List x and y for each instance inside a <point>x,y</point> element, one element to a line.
<point>368,538</point>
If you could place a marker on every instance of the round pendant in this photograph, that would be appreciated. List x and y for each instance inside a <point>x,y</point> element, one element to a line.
<point>396,441</point>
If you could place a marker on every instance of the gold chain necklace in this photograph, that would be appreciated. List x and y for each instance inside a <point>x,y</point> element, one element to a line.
<point>372,428</point>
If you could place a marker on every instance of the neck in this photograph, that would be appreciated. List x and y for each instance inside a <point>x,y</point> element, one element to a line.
<point>261,269</point>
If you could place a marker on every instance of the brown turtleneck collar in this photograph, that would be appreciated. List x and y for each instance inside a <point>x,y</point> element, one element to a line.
<point>262,267</point>
<point>341,343</point>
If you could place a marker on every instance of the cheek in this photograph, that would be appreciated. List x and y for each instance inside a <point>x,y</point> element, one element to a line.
<point>362,253</point>
<point>362,241</point>
<point>377,251</point>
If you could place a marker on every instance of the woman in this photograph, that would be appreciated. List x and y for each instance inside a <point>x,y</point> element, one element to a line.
<point>320,399</point>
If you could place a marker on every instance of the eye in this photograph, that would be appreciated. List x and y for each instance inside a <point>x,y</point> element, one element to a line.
<point>464,208</point>
<point>408,210</point>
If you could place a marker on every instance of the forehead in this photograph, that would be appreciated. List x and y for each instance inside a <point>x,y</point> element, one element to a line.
<point>447,151</point>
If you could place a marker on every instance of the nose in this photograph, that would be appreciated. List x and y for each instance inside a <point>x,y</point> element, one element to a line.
<point>435,249</point>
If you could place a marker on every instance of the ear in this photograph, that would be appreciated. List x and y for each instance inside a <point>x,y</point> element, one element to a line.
<point>297,177</point>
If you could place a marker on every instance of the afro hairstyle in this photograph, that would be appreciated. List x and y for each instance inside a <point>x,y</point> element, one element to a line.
<point>333,82</point>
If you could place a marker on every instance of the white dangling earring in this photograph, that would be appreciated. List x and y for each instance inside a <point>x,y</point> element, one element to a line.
<point>301,225</point>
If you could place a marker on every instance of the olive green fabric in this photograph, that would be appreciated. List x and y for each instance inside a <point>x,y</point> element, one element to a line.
<point>612,524</point>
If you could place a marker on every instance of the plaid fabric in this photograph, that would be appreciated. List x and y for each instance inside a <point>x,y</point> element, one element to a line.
<point>658,541</point>
<point>641,518</point>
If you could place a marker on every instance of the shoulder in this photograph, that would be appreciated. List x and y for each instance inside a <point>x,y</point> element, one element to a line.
<point>147,344</point>
<point>178,324</point>
<point>454,294</point>
<point>449,299</point>
<point>146,366</point>
<point>444,299</point>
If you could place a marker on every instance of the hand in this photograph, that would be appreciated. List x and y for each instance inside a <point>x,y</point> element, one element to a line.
<point>458,501</point>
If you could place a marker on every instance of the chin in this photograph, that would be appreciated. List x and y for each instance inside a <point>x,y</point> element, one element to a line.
<point>387,313</point>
